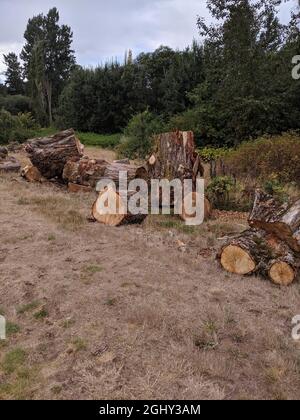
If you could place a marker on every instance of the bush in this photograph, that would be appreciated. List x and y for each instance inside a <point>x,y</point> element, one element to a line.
<point>106,141</point>
<point>267,157</point>
<point>16,128</point>
<point>16,104</point>
<point>138,135</point>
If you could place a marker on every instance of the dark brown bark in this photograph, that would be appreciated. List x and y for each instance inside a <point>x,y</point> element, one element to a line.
<point>282,220</point>
<point>50,154</point>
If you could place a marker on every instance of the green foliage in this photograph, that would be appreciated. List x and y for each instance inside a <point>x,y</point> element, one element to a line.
<point>219,189</point>
<point>16,128</point>
<point>267,157</point>
<point>13,360</point>
<point>15,104</point>
<point>106,141</point>
<point>13,74</point>
<point>138,135</point>
<point>209,154</point>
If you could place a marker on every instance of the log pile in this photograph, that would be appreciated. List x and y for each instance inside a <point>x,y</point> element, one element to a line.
<point>271,247</point>
<point>8,163</point>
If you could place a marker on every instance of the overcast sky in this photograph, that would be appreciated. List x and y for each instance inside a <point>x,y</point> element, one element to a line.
<point>106,28</point>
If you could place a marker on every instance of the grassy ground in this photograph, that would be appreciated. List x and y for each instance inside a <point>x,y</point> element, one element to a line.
<point>133,312</point>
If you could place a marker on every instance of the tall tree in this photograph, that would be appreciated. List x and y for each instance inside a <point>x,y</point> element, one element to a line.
<point>13,74</point>
<point>48,58</point>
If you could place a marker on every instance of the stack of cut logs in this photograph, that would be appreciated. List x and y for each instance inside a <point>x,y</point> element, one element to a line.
<point>61,157</point>
<point>271,246</point>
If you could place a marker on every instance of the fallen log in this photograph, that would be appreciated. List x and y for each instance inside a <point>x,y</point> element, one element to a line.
<point>32,174</point>
<point>190,217</point>
<point>257,252</point>
<point>10,164</point>
<point>282,220</point>
<point>88,172</point>
<point>117,216</point>
<point>50,154</point>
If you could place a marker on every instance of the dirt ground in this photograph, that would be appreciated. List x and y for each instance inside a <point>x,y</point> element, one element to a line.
<point>136,312</point>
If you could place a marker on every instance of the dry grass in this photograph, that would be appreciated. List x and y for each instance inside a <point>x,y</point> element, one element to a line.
<point>127,313</point>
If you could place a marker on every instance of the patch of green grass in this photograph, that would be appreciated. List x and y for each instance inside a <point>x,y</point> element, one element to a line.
<point>12,328</point>
<point>28,307</point>
<point>93,269</point>
<point>111,301</point>
<point>2,311</point>
<point>13,360</point>
<point>79,344</point>
<point>56,389</point>
<point>41,314</point>
<point>23,201</point>
<point>51,238</point>
<point>68,323</point>
<point>106,141</point>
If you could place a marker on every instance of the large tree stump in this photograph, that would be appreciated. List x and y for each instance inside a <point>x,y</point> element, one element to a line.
<point>282,220</point>
<point>186,216</point>
<point>120,216</point>
<point>174,157</point>
<point>255,251</point>
<point>50,154</point>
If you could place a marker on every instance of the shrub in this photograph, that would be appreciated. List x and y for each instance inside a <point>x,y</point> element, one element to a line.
<point>266,156</point>
<point>16,104</point>
<point>16,128</point>
<point>136,142</point>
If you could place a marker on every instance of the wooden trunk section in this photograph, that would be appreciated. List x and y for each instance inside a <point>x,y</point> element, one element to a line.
<point>50,154</point>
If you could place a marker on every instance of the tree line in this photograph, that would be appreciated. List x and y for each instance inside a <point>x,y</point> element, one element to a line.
<point>233,85</point>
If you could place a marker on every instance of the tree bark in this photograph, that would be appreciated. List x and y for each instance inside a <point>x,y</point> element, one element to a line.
<point>256,251</point>
<point>120,216</point>
<point>282,220</point>
<point>3,152</point>
<point>10,164</point>
<point>174,157</point>
<point>50,154</point>
<point>89,171</point>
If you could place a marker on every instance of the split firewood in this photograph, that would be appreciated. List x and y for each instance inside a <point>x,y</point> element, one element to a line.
<point>50,154</point>
<point>193,197</point>
<point>119,215</point>
<point>256,251</point>
<point>174,157</point>
<point>10,164</point>
<point>32,174</point>
<point>282,220</point>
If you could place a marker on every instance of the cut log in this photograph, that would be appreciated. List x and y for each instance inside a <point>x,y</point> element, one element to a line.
<point>174,157</point>
<point>10,164</point>
<point>86,172</point>
<point>256,251</point>
<point>114,170</point>
<point>32,174</point>
<point>120,216</point>
<point>282,220</point>
<point>50,154</point>
<point>76,188</point>
<point>193,197</point>
<point>89,171</point>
